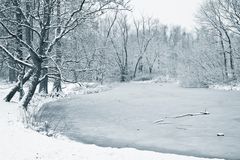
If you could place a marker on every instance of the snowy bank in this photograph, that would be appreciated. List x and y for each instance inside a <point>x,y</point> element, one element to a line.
<point>235,87</point>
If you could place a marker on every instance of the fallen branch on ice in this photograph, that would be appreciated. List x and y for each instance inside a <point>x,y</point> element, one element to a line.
<point>191,114</point>
<point>160,121</point>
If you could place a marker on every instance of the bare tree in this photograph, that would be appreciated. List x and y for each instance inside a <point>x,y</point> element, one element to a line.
<point>119,40</point>
<point>43,22</point>
<point>174,44</point>
<point>215,14</point>
<point>144,35</point>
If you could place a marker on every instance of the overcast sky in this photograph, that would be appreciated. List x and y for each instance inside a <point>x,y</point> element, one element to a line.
<point>168,11</point>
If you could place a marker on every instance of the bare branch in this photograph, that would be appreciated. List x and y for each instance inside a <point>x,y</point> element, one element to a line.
<point>10,55</point>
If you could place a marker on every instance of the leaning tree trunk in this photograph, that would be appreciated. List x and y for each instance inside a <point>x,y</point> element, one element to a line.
<point>17,87</point>
<point>21,78</point>
<point>33,85</point>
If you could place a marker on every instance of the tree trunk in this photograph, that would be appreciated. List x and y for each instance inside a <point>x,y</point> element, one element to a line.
<point>16,88</point>
<point>28,32</point>
<point>57,83</point>
<point>11,72</point>
<point>20,80</point>
<point>150,69</point>
<point>19,31</point>
<point>34,82</point>
<point>19,48</point>
<point>136,66</point>
<point>232,65</point>
<point>224,55</point>
<point>43,88</point>
<point>231,56</point>
<point>28,35</point>
<point>123,77</point>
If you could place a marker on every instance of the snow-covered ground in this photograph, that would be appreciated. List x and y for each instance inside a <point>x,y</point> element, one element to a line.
<point>19,143</point>
<point>235,87</point>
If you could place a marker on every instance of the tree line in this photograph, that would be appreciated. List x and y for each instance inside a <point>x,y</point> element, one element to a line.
<point>87,40</point>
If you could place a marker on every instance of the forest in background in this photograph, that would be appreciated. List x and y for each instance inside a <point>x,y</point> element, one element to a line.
<point>101,41</point>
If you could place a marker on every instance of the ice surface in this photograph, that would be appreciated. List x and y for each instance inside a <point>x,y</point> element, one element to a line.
<point>125,116</point>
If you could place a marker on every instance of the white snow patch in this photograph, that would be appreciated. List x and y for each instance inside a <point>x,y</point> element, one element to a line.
<point>155,79</point>
<point>235,87</point>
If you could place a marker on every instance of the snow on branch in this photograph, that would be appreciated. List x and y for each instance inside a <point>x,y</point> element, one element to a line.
<point>21,41</point>
<point>9,54</point>
<point>72,23</point>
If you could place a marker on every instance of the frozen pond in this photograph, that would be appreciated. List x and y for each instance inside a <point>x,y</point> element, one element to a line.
<point>125,116</point>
